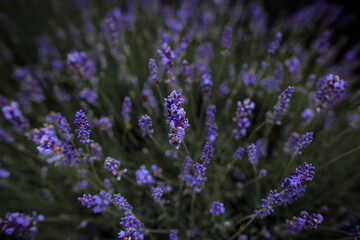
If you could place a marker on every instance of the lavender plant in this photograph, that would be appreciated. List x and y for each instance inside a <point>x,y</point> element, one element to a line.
<point>178,120</point>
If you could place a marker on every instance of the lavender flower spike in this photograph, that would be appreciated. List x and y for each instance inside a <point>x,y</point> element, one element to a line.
<point>206,85</point>
<point>145,125</point>
<point>303,142</point>
<point>13,114</point>
<point>275,44</point>
<point>176,118</point>
<point>217,208</point>
<point>243,111</point>
<point>292,189</point>
<point>126,110</point>
<point>329,90</point>
<point>226,40</point>
<point>281,106</point>
<point>84,127</point>
<point>153,71</point>
<point>252,152</point>
<point>297,224</point>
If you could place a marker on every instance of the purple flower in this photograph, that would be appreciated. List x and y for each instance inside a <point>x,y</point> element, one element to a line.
<point>291,190</point>
<point>113,27</point>
<point>99,203</point>
<point>252,152</point>
<point>207,153</point>
<point>322,46</point>
<point>307,115</point>
<point>212,133</point>
<point>249,78</point>
<point>173,234</point>
<point>145,125</point>
<point>188,71</point>
<point>206,85</point>
<point>62,124</point>
<point>31,82</point>
<point>84,128</point>
<point>304,220</point>
<point>262,173</point>
<point>79,62</point>
<point>13,114</point>
<point>105,124</point>
<point>19,225</point>
<point>167,62</point>
<point>226,40</point>
<point>157,193</point>
<point>242,237</point>
<point>217,208</point>
<point>113,166</point>
<point>4,173</point>
<point>239,153</point>
<point>176,118</point>
<point>210,115</point>
<point>156,171</point>
<point>329,90</point>
<point>293,65</point>
<point>5,136</point>
<point>126,110</point>
<point>88,94</point>
<point>132,227</point>
<point>275,44</point>
<point>153,71</point>
<point>198,179</point>
<point>281,106</point>
<point>355,232</point>
<point>243,111</point>
<point>273,85</point>
<point>143,176</point>
<point>122,203</point>
<point>185,174</point>
<point>303,142</point>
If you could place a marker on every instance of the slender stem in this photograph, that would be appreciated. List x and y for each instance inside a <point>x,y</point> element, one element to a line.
<point>186,149</point>
<point>256,181</point>
<point>260,126</point>
<point>193,209</point>
<point>241,229</point>
<point>259,78</point>
<point>157,144</point>
<point>288,165</point>
<point>337,158</point>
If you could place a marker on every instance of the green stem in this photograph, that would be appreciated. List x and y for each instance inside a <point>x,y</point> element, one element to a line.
<point>337,158</point>
<point>288,166</point>
<point>256,181</point>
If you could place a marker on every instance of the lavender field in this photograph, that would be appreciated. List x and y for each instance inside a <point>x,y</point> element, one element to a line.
<point>189,119</point>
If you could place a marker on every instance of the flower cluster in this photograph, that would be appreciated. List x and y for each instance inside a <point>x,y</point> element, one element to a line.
<point>82,123</point>
<point>303,142</point>
<point>304,220</point>
<point>99,203</point>
<point>81,64</point>
<point>143,176</point>
<point>243,112</point>
<point>281,106</point>
<point>113,166</point>
<point>13,114</point>
<point>275,44</point>
<point>145,125</point>
<point>329,90</point>
<point>126,110</point>
<point>176,118</point>
<point>207,153</point>
<point>19,225</point>
<point>217,208</point>
<point>291,190</point>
